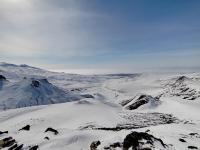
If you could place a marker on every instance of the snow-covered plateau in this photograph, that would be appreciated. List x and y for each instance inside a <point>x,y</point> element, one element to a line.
<point>47,110</point>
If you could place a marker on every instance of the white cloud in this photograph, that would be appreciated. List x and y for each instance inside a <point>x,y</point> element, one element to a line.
<point>35,27</point>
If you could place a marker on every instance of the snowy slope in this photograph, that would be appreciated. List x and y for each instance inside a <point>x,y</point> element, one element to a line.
<point>21,69</point>
<point>31,92</point>
<point>165,113</point>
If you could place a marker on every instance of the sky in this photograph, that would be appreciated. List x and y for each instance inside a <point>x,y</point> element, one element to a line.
<point>101,36</point>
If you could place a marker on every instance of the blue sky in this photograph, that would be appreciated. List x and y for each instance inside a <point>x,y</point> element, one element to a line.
<point>101,35</point>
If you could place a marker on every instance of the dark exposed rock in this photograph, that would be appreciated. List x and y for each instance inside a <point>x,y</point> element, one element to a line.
<point>3,132</point>
<point>26,128</point>
<point>192,98</point>
<point>34,147</point>
<point>125,102</point>
<point>182,140</point>
<point>113,146</point>
<point>184,89</point>
<point>133,139</point>
<point>7,139</point>
<point>181,89</point>
<point>94,145</point>
<point>19,147</point>
<point>136,104</point>
<point>143,99</point>
<point>185,97</point>
<point>87,96</point>
<point>137,120</point>
<point>193,134</point>
<point>35,83</point>
<point>46,138</point>
<point>76,89</point>
<point>2,80</point>
<point>51,130</point>
<point>13,147</point>
<point>2,77</point>
<point>181,79</point>
<point>192,147</point>
<point>147,130</point>
<point>9,143</point>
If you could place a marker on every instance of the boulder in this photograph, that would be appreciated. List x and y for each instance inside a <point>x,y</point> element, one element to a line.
<point>2,77</point>
<point>51,130</point>
<point>13,147</point>
<point>94,145</point>
<point>35,83</point>
<point>34,147</point>
<point>192,147</point>
<point>26,128</point>
<point>3,132</point>
<point>19,147</point>
<point>133,140</point>
<point>182,140</point>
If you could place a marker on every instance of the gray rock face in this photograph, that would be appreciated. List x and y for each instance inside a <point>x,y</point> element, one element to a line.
<point>133,139</point>
<point>141,100</point>
<point>2,77</point>
<point>181,89</point>
<point>2,80</point>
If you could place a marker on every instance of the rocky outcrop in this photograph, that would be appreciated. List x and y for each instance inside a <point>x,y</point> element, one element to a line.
<point>140,141</point>
<point>87,96</point>
<point>52,130</point>
<point>113,146</point>
<point>26,128</point>
<point>7,142</point>
<point>181,89</point>
<point>2,81</point>
<point>3,132</point>
<point>34,147</point>
<point>94,145</point>
<point>2,77</point>
<point>35,83</point>
<point>141,100</point>
<point>192,147</point>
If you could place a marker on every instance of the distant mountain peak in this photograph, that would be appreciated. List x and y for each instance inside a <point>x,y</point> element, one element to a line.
<point>4,64</point>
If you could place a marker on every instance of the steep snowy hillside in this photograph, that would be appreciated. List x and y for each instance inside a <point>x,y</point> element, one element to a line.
<point>185,87</point>
<point>21,69</point>
<point>102,112</point>
<point>31,92</point>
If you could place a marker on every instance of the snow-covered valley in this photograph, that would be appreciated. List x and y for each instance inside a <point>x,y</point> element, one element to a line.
<point>98,111</point>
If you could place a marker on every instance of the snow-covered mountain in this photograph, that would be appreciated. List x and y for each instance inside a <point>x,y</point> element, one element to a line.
<point>122,111</point>
<point>31,92</point>
<point>21,69</point>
